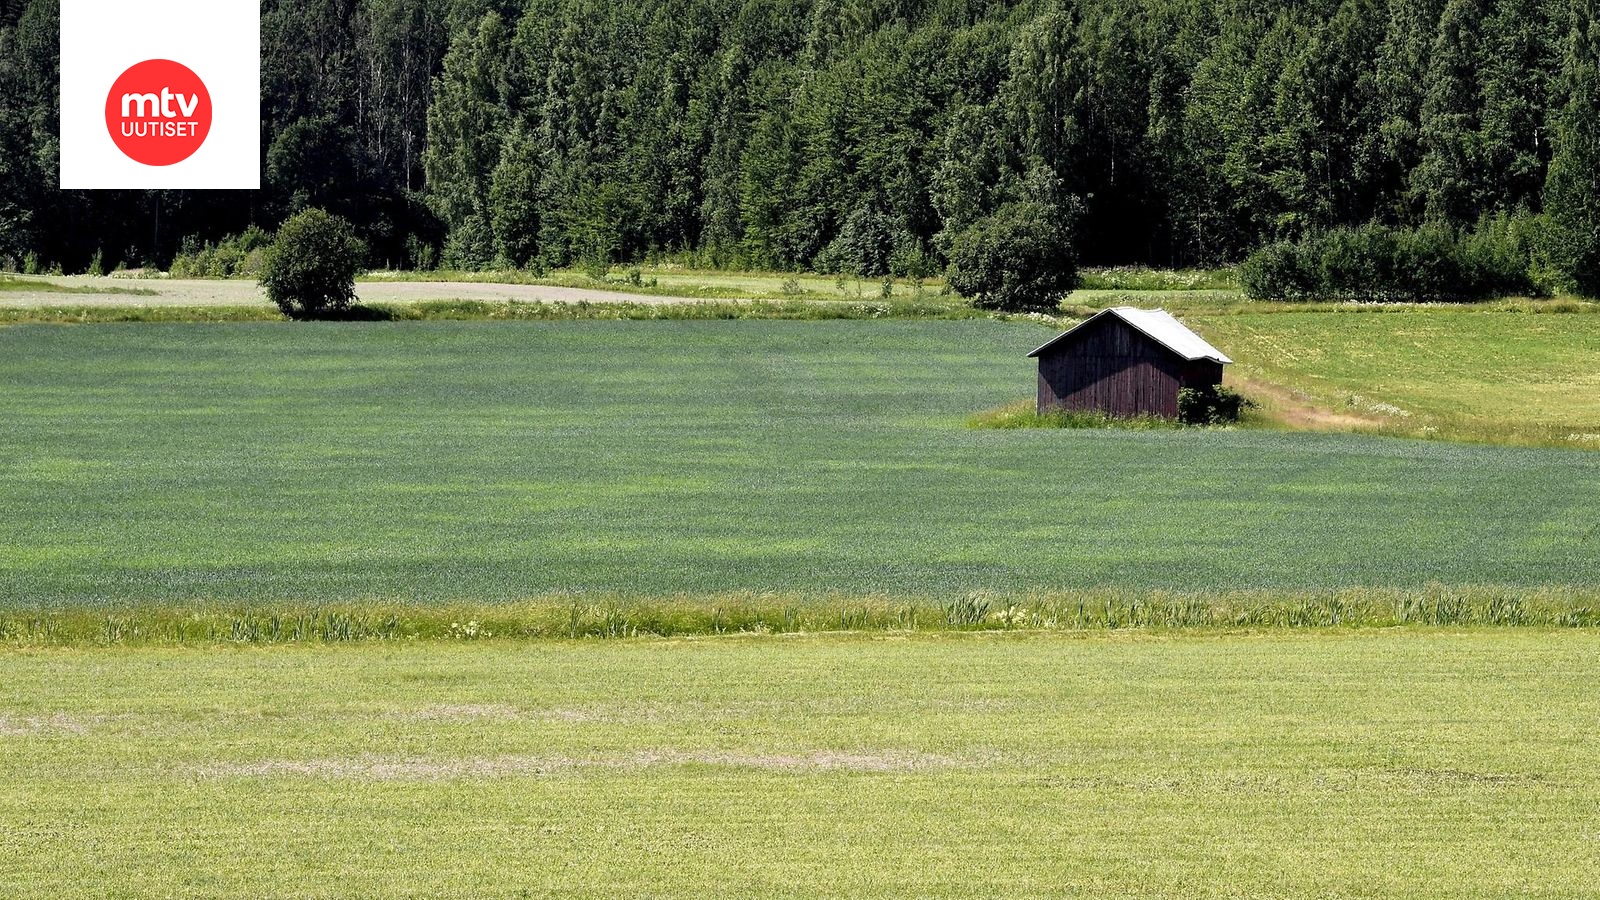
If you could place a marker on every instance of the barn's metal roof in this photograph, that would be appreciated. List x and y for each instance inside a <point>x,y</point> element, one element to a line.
<point>1159,325</point>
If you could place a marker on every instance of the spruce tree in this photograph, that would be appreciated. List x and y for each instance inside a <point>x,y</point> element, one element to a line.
<point>1448,182</point>
<point>1522,61</point>
<point>1393,151</point>
<point>1572,193</point>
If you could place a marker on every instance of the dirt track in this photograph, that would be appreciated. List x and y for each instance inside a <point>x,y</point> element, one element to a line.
<point>175,292</point>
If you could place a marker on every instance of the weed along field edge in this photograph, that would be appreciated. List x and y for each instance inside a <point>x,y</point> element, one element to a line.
<point>587,616</point>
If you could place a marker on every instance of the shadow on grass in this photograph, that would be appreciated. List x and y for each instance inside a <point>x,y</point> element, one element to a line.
<point>359,312</point>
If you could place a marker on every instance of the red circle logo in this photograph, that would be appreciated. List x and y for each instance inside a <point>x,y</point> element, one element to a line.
<point>159,112</point>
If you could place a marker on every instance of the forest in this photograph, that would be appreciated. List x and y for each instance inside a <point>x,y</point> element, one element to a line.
<point>858,135</point>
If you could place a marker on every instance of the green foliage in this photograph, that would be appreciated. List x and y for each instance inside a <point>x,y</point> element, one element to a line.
<point>802,135</point>
<point>1212,405</point>
<point>1018,259</point>
<point>243,256</point>
<point>1143,278</point>
<point>866,246</point>
<point>514,202</point>
<point>1573,190</point>
<point>1378,263</point>
<point>311,267</point>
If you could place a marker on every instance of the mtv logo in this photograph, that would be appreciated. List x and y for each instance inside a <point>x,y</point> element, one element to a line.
<point>160,94</point>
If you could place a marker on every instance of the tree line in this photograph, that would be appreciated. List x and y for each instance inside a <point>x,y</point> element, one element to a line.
<point>861,135</point>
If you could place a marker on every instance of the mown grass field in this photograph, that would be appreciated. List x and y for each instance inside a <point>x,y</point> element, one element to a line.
<point>491,461</point>
<point>1415,763</point>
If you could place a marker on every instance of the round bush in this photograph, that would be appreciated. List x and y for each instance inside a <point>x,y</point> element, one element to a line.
<point>1279,271</point>
<point>1019,259</point>
<point>311,268</point>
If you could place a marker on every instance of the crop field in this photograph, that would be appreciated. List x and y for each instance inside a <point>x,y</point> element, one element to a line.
<point>501,461</point>
<point>1415,763</point>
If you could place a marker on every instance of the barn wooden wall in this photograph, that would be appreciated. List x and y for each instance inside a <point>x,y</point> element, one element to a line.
<point>1115,368</point>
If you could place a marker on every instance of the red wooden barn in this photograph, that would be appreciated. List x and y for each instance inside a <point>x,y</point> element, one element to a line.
<point>1125,362</point>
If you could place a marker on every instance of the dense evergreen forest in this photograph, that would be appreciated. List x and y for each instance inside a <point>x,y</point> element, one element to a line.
<point>853,134</point>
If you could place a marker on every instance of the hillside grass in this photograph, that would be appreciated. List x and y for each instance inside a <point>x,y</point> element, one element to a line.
<point>1498,374</point>
<point>445,462</point>
<point>1419,763</point>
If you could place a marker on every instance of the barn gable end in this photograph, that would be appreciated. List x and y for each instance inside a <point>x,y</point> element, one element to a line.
<point>1125,365</point>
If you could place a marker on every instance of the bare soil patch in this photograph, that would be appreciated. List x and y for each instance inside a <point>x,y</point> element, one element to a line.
<point>384,768</point>
<point>459,712</point>
<point>1299,411</point>
<point>56,723</point>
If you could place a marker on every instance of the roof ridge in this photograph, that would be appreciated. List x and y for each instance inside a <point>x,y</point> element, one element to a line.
<point>1165,330</point>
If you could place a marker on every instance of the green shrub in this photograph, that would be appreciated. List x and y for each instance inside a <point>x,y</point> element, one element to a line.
<point>470,246</point>
<point>1019,259</point>
<point>241,256</point>
<point>420,254</point>
<point>1144,278</point>
<point>1378,263</point>
<point>1215,405</point>
<point>1279,271</point>
<point>864,246</point>
<point>312,266</point>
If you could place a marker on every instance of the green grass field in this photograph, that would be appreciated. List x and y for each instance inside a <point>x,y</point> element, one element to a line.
<point>1481,374</point>
<point>485,461</point>
<point>1412,763</point>
<point>1220,673</point>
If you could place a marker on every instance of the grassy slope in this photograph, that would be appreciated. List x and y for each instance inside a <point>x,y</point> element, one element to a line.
<point>18,283</point>
<point>1412,764</point>
<point>484,461</point>
<point>1475,373</point>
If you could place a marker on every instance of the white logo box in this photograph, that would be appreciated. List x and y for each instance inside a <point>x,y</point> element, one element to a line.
<point>219,39</point>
